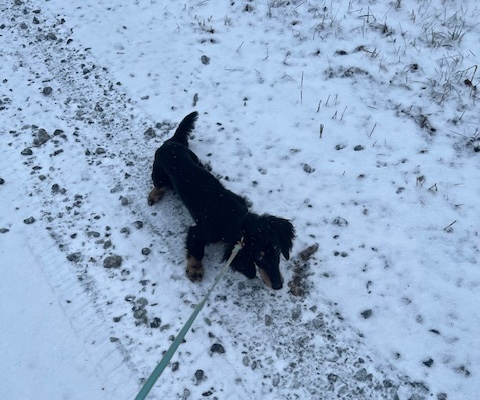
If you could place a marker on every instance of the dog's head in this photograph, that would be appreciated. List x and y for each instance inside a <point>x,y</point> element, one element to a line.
<point>265,238</point>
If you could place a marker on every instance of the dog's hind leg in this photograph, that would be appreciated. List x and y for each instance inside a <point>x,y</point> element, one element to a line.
<point>155,195</point>
<point>195,252</point>
<point>160,181</point>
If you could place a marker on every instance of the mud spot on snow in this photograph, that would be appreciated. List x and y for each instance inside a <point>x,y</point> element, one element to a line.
<point>113,261</point>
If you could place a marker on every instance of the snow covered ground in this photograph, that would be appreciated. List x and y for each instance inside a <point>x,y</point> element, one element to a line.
<point>357,120</point>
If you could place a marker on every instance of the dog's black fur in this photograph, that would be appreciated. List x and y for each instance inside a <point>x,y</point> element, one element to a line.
<point>219,214</point>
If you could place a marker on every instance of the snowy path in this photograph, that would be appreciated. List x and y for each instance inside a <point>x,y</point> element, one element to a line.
<point>56,360</point>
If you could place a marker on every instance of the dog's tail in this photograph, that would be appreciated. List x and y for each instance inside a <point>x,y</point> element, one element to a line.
<point>184,129</point>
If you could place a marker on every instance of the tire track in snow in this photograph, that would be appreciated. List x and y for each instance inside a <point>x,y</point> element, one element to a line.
<point>76,296</point>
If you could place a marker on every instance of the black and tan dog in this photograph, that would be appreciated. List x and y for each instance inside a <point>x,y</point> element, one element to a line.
<point>219,214</point>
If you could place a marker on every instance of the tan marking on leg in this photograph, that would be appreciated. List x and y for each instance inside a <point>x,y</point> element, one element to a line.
<point>155,195</point>
<point>195,269</point>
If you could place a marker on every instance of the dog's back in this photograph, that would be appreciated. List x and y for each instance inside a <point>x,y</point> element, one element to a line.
<point>213,207</point>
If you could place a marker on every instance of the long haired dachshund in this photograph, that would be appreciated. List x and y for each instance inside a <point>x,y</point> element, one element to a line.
<point>219,214</point>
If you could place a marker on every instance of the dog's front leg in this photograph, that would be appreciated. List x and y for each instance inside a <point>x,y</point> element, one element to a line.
<point>195,252</point>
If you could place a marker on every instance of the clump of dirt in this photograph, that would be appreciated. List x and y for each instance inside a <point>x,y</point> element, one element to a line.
<point>299,285</point>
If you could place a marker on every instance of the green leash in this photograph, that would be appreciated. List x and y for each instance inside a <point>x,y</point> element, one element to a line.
<point>147,386</point>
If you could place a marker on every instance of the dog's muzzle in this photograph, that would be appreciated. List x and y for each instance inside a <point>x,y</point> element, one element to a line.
<point>275,284</point>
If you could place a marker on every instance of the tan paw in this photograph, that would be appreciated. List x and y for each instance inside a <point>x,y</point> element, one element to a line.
<point>155,195</point>
<point>195,269</point>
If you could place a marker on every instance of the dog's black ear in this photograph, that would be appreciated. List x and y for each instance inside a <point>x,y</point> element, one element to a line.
<point>285,232</point>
